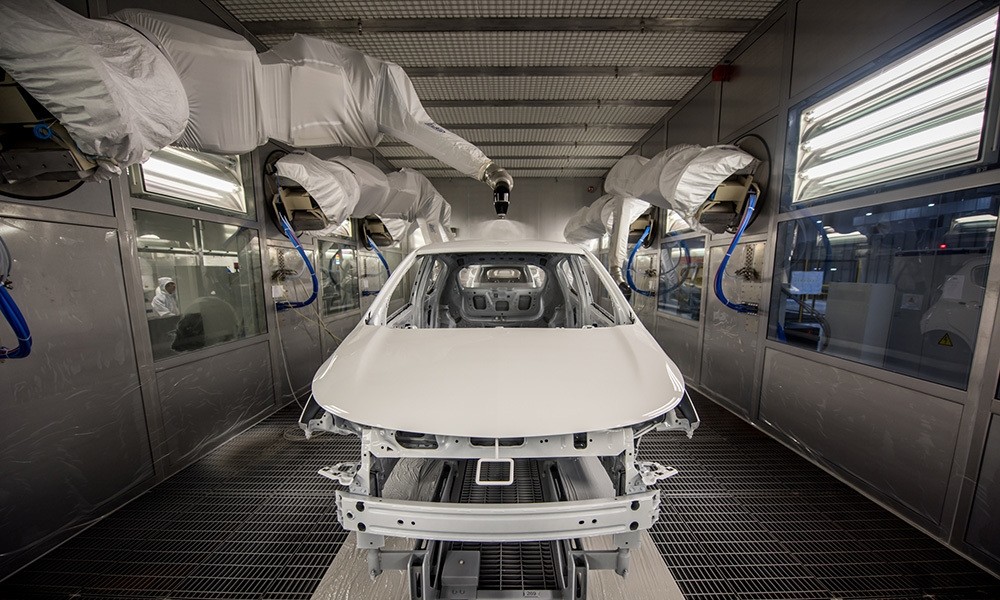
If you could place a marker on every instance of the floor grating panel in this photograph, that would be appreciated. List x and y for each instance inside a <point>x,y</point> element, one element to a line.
<point>745,519</point>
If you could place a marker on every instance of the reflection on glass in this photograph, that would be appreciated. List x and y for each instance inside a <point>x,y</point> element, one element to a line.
<point>372,272</point>
<point>682,269</point>
<point>899,286</point>
<point>338,277</point>
<point>211,180</point>
<point>290,278</point>
<point>201,282</point>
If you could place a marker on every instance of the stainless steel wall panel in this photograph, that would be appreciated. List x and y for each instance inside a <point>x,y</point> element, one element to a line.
<point>769,177</point>
<point>189,10</point>
<point>680,342</point>
<point>899,442</point>
<point>983,532</point>
<point>656,143</point>
<point>79,6</point>
<point>300,339</point>
<point>204,402</point>
<point>539,208</point>
<point>337,327</point>
<point>753,90</point>
<point>695,123</point>
<point>71,419</point>
<point>88,198</point>
<point>298,329</point>
<point>731,339</point>
<point>831,35</point>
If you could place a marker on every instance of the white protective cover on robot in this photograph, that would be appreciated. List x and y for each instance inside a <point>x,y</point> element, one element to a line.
<point>220,72</point>
<point>319,93</point>
<point>604,216</point>
<point>345,187</point>
<point>117,96</point>
<point>680,178</point>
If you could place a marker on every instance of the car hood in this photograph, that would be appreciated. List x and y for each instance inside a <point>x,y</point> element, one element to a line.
<point>498,382</point>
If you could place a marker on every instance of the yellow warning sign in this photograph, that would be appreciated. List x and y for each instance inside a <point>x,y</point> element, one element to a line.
<point>945,341</point>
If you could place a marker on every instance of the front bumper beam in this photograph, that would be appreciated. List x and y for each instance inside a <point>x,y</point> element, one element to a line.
<point>535,521</point>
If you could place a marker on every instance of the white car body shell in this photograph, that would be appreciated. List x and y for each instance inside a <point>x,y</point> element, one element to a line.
<point>498,382</point>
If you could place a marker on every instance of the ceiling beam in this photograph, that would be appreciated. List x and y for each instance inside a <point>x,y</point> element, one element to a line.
<point>602,169</point>
<point>508,144</point>
<point>584,126</point>
<point>596,71</point>
<point>514,157</point>
<point>465,24</point>
<point>547,103</point>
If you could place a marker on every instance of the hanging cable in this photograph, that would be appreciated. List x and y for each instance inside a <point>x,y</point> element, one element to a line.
<point>284,304</point>
<point>628,267</point>
<point>687,268</point>
<point>11,312</point>
<point>741,307</point>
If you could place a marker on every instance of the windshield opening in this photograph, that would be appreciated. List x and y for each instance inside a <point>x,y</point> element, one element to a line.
<point>502,289</point>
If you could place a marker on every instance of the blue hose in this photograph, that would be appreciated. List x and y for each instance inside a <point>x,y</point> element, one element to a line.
<point>742,307</point>
<point>13,315</point>
<point>385,264</point>
<point>628,267</point>
<point>284,304</point>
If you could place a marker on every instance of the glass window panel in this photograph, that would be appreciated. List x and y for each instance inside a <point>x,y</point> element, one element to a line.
<point>189,177</point>
<point>502,289</point>
<point>899,286</point>
<point>372,274</point>
<point>681,277</point>
<point>600,292</point>
<point>339,280</point>
<point>921,113</point>
<point>201,281</point>
<point>290,278</point>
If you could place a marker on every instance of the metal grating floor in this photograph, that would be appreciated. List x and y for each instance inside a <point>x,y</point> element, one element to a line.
<point>509,566</point>
<point>746,518</point>
<point>250,520</point>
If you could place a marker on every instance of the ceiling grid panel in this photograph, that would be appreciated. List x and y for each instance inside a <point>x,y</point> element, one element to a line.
<point>548,88</point>
<point>264,10</point>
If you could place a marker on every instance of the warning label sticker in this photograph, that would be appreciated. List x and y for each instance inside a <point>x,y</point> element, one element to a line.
<point>945,341</point>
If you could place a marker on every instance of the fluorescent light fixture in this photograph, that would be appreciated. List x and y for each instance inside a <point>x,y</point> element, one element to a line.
<point>194,177</point>
<point>922,113</point>
<point>846,238</point>
<point>976,219</point>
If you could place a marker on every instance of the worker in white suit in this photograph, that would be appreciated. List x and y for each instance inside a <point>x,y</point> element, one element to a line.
<point>165,301</point>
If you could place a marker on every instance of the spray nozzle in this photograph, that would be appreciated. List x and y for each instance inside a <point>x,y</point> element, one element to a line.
<point>501,182</point>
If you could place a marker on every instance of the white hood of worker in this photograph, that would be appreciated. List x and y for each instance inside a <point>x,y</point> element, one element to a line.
<point>497,382</point>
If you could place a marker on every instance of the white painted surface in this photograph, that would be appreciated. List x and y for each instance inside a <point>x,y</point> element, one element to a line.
<point>499,382</point>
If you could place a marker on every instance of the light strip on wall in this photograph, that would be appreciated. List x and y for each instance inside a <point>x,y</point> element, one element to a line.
<point>922,113</point>
<point>196,177</point>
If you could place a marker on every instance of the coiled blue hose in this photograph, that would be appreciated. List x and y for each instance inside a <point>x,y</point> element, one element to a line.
<point>13,315</point>
<point>741,307</point>
<point>284,304</point>
<point>628,267</point>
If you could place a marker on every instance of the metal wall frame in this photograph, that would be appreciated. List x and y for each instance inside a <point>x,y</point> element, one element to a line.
<point>979,402</point>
